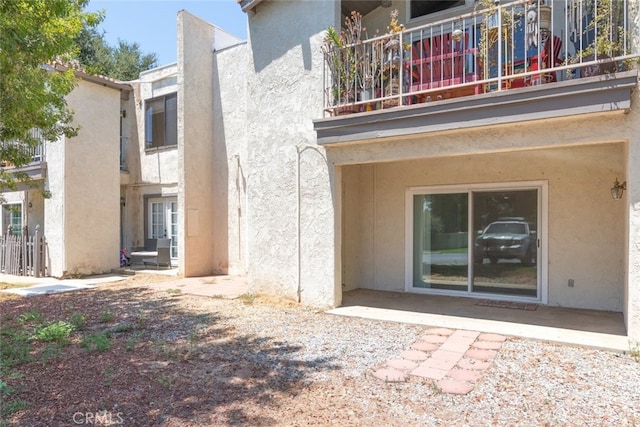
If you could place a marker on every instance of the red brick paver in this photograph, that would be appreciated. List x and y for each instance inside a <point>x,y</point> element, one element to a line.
<point>435,339</point>
<point>455,359</point>
<point>428,372</point>
<point>414,355</point>
<point>441,331</point>
<point>487,345</point>
<point>492,337</point>
<point>466,375</point>
<point>481,354</point>
<point>425,346</point>
<point>402,364</point>
<point>454,387</point>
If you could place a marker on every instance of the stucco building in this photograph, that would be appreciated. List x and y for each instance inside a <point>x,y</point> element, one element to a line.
<point>81,217</point>
<point>312,203</point>
<point>465,179</point>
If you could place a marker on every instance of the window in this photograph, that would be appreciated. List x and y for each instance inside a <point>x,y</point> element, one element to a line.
<point>12,216</point>
<point>425,7</point>
<point>161,121</point>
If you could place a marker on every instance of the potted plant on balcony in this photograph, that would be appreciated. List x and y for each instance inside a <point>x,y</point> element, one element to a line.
<point>343,54</point>
<point>368,71</point>
<point>392,51</point>
<point>497,27</point>
<point>605,36</point>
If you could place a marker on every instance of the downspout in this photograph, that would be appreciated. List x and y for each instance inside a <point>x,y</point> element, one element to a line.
<point>301,148</point>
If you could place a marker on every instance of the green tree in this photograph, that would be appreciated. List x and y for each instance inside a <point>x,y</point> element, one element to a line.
<point>34,34</point>
<point>123,62</point>
<point>130,61</point>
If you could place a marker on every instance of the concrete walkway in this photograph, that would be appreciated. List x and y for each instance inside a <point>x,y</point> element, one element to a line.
<point>229,287</point>
<point>33,286</point>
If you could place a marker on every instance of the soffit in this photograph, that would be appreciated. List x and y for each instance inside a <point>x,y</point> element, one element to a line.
<point>362,6</point>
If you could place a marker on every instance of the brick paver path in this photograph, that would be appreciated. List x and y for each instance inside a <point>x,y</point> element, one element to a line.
<point>454,359</point>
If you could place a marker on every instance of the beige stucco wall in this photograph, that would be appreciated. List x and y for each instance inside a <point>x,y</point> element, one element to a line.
<point>230,169</point>
<point>290,240</point>
<point>153,171</point>
<point>82,214</point>
<point>632,243</point>
<point>195,146</point>
<point>153,165</point>
<point>586,238</point>
<point>614,292</point>
<point>211,122</point>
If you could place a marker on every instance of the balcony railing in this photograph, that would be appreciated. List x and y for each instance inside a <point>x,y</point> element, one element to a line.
<point>34,152</point>
<point>504,47</point>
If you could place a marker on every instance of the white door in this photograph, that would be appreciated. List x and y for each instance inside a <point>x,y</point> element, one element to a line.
<point>163,221</point>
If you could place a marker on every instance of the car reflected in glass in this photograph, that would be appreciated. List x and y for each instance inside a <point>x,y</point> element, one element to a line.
<point>506,239</point>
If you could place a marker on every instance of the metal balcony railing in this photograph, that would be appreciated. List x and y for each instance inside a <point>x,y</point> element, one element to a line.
<point>502,47</point>
<point>33,152</point>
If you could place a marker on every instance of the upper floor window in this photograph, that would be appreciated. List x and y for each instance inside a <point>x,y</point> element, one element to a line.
<point>425,7</point>
<point>161,121</point>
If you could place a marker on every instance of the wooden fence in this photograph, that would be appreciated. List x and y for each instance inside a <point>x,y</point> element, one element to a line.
<point>23,255</point>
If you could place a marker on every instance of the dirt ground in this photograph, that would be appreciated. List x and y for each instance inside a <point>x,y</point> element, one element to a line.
<point>140,357</point>
<point>125,354</point>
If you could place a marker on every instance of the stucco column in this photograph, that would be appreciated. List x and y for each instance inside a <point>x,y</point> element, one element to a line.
<point>632,314</point>
<point>632,309</point>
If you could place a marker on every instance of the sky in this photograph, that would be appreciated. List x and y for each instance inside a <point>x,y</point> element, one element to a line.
<point>152,23</point>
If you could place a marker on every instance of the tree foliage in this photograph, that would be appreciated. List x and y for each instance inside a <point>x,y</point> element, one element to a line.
<point>123,62</point>
<point>33,35</point>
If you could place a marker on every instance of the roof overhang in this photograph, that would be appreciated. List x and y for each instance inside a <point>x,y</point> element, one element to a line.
<point>99,80</point>
<point>599,94</point>
<point>249,5</point>
<point>362,6</point>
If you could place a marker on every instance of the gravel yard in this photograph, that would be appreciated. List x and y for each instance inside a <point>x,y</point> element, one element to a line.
<point>179,360</point>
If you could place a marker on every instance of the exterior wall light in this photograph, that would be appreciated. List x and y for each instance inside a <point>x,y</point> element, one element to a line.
<point>386,3</point>
<point>618,189</point>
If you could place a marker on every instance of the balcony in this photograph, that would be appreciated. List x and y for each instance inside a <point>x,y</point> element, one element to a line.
<point>31,156</point>
<point>507,52</point>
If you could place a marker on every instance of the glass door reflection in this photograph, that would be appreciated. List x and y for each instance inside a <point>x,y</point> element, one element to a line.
<point>440,241</point>
<point>505,251</point>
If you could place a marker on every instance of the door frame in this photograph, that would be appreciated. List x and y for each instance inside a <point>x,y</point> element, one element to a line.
<point>542,235</point>
<point>166,201</point>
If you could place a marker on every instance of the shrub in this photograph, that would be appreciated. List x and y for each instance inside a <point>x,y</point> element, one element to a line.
<point>57,331</point>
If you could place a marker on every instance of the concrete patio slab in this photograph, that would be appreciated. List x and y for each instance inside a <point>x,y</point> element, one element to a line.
<point>589,328</point>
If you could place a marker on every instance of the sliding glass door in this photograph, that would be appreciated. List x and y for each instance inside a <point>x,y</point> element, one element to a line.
<point>476,240</point>
<point>440,234</point>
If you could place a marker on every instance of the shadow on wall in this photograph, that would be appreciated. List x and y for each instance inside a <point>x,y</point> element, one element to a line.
<point>220,166</point>
<point>278,27</point>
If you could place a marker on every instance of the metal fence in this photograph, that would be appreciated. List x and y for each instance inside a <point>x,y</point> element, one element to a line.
<point>23,255</point>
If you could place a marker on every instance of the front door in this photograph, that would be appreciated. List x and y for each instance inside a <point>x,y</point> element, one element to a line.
<point>163,221</point>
